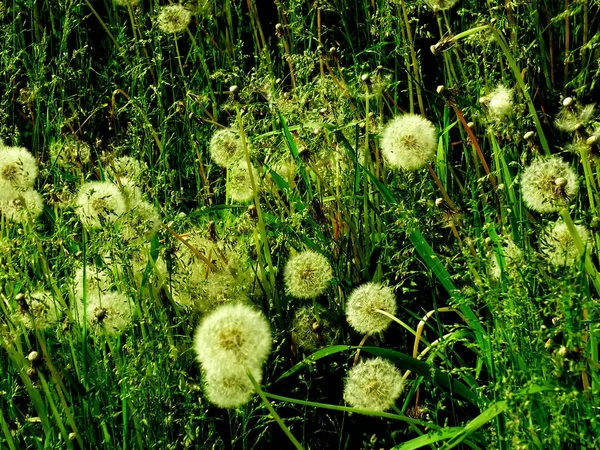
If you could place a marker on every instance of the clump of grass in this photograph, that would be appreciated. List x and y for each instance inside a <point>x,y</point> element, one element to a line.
<point>304,179</point>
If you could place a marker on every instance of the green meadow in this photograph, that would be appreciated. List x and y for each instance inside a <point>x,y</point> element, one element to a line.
<point>288,224</point>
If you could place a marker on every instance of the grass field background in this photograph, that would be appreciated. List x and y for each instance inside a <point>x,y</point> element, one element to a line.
<point>496,327</point>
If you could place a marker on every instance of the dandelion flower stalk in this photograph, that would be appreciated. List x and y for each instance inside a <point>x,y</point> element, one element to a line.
<point>261,223</point>
<point>276,417</point>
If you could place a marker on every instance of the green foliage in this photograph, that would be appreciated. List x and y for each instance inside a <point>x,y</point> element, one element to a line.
<point>499,346</point>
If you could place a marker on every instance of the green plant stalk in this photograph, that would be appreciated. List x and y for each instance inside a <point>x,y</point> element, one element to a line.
<point>261,223</point>
<point>274,414</point>
<point>589,178</point>
<point>366,412</point>
<point>6,432</point>
<point>204,66</point>
<point>398,321</point>
<point>55,413</point>
<point>413,55</point>
<point>588,265</point>
<point>516,72</point>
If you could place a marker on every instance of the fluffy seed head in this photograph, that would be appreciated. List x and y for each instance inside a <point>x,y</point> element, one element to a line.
<point>240,186</point>
<point>110,312</point>
<point>409,142</point>
<point>231,390</point>
<point>374,384</point>
<point>173,18</point>
<point>127,167</point>
<point>574,117</point>
<point>440,5</point>
<point>140,223</point>
<point>362,306</point>
<point>18,169</point>
<point>307,274</point>
<point>232,338</point>
<point>226,147</point>
<point>70,153</point>
<point>43,311</point>
<point>548,184</point>
<point>99,203</point>
<point>96,281</point>
<point>558,244</point>
<point>499,102</point>
<point>509,260</point>
<point>312,332</point>
<point>24,205</point>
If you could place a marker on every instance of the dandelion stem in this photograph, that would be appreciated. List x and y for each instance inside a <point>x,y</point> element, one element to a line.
<point>276,417</point>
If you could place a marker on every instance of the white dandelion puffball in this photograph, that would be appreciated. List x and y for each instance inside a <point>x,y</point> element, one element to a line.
<point>226,147</point>
<point>362,306</point>
<point>140,223</point>
<point>96,281</point>
<point>512,257</point>
<point>18,170</point>
<point>127,167</point>
<point>99,203</point>
<point>108,312</point>
<point>440,5</point>
<point>24,205</point>
<point>239,187</point>
<point>374,384</point>
<point>173,19</point>
<point>70,153</point>
<point>408,142</point>
<point>307,275</point>
<point>231,390</point>
<point>43,311</point>
<point>548,184</point>
<point>499,102</point>
<point>558,244</point>
<point>232,338</point>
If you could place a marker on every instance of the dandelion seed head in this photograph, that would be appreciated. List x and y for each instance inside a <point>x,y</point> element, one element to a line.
<point>240,186</point>
<point>231,390</point>
<point>374,384</point>
<point>99,203</point>
<point>127,167</point>
<point>96,281</point>
<point>225,147</point>
<point>233,336</point>
<point>18,169</point>
<point>362,306</point>
<point>109,312</point>
<point>307,275</point>
<point>440,5</point>
<point>23,206</point>
<point>173,18</point>
<point>499,102</point>
<point>70,153</point>
<point>512,257</point>
<point>548,184</point>
<point>574,117</point>
<point>409,142</point>
<point>44,311</point>
<point>312,332</point>
<point>140,223</point>
<point>558,244</point>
